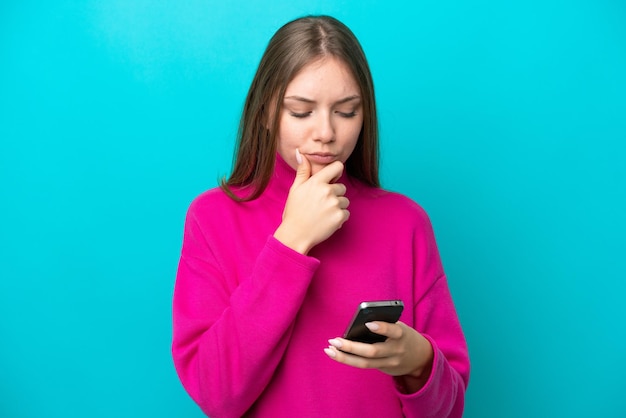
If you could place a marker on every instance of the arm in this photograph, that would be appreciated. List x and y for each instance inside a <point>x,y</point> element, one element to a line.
<point>429,361</point>
<point>227,343</point>
<point>443,392</point>
<point>229,337</point>
<point>436,320</point>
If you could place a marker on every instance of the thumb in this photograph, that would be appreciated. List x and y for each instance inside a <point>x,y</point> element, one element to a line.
<point>304,169</point>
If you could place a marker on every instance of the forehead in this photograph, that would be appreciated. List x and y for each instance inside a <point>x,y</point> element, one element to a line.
<point>327,75</point>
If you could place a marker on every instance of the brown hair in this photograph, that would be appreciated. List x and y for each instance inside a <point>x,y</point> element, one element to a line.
<point>292,47</point>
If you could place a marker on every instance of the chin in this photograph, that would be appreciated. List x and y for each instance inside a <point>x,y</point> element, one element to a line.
<point>315,168</point>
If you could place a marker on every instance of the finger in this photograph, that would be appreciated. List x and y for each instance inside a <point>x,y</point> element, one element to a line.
<point>343,202</point>
<point>338,189</point>
<point>387,329</point>
<point>355,360</point>
<point>364,350</point>
<point>304,169</point>
<point>330,173</point>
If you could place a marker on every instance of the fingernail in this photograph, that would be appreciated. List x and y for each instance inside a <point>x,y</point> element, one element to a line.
<point>298,156</point>
<point>372,326</point>
<point>330,352</point>
<point>335,343</point>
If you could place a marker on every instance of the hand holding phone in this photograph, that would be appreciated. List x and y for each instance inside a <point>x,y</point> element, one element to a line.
<point>387,311</point>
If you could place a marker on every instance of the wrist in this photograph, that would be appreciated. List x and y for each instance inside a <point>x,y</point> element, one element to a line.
<point>417,378</point>
<point>423,372</point>
<point>414,381</point>
<point>287,238</point>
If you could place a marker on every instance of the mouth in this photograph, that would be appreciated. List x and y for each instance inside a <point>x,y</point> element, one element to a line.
<point>321,157</point>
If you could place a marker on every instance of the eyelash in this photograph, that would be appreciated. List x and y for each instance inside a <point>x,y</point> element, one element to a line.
<point>304,115</point>
<point>299,115</point>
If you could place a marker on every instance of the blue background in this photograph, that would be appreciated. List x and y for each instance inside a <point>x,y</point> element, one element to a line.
<point>505,120</point>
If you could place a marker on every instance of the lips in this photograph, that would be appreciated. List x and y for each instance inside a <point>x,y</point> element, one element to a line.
<point>321,157</point>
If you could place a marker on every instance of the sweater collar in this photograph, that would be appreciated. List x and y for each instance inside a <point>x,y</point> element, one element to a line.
<point>283,177</point>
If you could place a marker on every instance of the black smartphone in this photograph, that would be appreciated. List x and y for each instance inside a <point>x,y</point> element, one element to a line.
<point>384,310</point>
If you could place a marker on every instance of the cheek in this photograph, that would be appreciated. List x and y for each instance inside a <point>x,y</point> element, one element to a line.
<point>288,134</point>
<point>288,141</point>
<point>351,135</point>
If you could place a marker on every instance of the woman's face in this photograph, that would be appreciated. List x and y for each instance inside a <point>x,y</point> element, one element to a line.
<point>321,115</point>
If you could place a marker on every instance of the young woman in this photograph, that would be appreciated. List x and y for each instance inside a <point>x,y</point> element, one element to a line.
<point>276,260</point>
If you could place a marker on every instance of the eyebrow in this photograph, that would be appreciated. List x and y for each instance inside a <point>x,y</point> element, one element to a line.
<point>338,102</point>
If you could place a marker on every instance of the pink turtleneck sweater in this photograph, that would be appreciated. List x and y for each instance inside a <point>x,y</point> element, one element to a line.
<point>252,316</point>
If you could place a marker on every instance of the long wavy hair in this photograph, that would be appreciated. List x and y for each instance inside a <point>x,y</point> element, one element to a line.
<point>292,47</point>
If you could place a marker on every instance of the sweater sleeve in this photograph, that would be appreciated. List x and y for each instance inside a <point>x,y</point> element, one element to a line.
<point>435,318</point>
<point>229,337</point>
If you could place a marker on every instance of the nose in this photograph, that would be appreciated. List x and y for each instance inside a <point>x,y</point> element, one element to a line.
<point>324,129</point>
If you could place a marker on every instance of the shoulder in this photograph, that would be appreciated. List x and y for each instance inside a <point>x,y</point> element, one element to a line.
<point>393,204</point>
<point>210,202</point>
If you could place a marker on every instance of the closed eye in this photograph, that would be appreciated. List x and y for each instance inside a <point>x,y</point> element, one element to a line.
<point>299,115</point>
<point>347,114</point>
